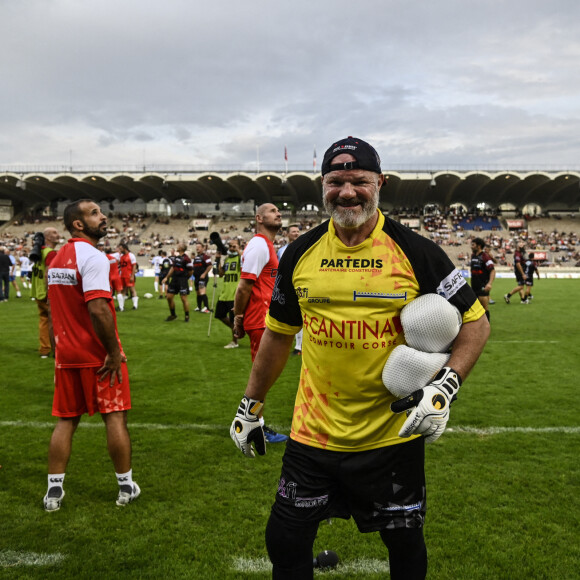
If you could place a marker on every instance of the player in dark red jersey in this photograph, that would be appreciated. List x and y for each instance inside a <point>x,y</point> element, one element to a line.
<point>90,372</point>
<point>482,273</point>
<point>202,266</point>
<point>530,267</point>
<point>178,276</point>
<point>519,261</point>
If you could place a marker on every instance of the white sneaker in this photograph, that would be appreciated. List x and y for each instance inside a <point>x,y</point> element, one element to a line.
<point>52,504</point>
<point>197,310</point>
<point>232,345</point>
<point>125,497</point>
<point>205,310</point>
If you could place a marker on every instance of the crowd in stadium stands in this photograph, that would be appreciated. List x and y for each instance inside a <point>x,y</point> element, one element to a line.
<point>147,234</point>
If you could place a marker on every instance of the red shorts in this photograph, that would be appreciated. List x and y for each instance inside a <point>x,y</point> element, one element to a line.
<point>255,336</point>
<point>117,284</point>
<point>127,282</point>
<point>79,390</point>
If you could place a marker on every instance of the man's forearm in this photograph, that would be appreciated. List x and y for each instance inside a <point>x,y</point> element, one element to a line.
<point>242,297</point>
<point>269,364</point>
<point>104,326</point>
<point>468,346</point>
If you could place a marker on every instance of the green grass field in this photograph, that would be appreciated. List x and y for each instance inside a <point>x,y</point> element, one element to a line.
<point>503,488</point>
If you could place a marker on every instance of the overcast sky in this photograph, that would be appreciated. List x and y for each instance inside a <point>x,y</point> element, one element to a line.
<point>447,83</point>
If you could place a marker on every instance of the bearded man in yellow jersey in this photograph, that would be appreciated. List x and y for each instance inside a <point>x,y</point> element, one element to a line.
<point>345,283</point>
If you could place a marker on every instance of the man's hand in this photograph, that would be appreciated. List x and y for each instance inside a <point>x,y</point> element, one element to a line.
<point>431,412</point>
<point>112,368</point>
<point>246,428</point>
<point>239,331</point>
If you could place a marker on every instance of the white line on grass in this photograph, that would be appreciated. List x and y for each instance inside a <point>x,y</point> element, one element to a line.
<point>13,559</point>
<point>358,566</point>
<point>458,429</point>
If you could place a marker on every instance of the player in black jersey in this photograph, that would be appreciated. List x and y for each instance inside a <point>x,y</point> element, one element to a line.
<point>178,276</point>
<point>482,273</point>
<point>530,267</point>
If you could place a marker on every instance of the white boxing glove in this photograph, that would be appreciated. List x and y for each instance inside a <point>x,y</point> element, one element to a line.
<point>246,428</point>
<point>431,413</point>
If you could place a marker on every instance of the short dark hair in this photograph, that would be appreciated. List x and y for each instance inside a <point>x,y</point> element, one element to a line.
<point>479,242</point>
<point>72,212</point>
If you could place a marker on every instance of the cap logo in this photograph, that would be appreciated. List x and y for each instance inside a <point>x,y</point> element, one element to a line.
<point>353,147</point>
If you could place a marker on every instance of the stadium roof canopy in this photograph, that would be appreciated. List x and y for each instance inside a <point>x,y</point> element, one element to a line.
<point>552,191</point>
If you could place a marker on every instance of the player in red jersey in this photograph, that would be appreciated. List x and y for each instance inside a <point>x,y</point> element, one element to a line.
<point>90,372</point>
<point>259,268</point>
<point>114,275</point>
<point>128,268</point>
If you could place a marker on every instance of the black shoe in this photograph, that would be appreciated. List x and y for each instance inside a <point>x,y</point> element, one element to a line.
<point>296,352</point>
<point>170,318</point>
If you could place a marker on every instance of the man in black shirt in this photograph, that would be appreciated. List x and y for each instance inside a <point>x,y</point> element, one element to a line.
<point>178,276</point>
<point>482,273</point>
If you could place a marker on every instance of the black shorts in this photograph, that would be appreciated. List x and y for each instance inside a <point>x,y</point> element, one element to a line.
<point>223,309</point>
<point>479,290</point>
<point>178,286</point>
<point>381,488</point>
<point>519,278</point>
<point>200,284</point>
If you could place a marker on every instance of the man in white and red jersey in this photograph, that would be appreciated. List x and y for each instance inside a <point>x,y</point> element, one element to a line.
<point>90,372</point>
<point>259,267</point>
<point>128,268</point>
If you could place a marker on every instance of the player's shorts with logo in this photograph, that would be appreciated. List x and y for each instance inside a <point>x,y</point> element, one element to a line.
<point>199,284</point>
<point>80,390</point>
<point>178,286</point>
<point>380,488</point>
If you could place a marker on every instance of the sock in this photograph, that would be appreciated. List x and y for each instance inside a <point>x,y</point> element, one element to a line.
<point>156,286</point>
<point>199,301</point>
<point>121,301</point>
<point>135,301</point>
<point>125,481</point>
<point>187,316</point>
<point>55,482</point>
<point>172,310</point>
<point>205,301</point>
<point>18,295</point>
<point>261,420</point>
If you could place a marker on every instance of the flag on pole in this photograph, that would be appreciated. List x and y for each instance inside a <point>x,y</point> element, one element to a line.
<point>285,153</point>
<point>314,160</point>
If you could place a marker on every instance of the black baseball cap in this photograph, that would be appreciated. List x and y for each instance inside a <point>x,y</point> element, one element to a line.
<point>366,156</point>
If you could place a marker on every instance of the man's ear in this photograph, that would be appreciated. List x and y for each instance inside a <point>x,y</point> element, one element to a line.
<point>78,225</point>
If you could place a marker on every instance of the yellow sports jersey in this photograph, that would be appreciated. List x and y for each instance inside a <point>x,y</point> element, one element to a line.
<point>348,301</point>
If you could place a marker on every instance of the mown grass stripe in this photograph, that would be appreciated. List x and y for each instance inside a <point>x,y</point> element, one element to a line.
<point>457,429</point>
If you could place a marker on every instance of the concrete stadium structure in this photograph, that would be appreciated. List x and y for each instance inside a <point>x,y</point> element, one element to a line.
<point>557,191</point>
